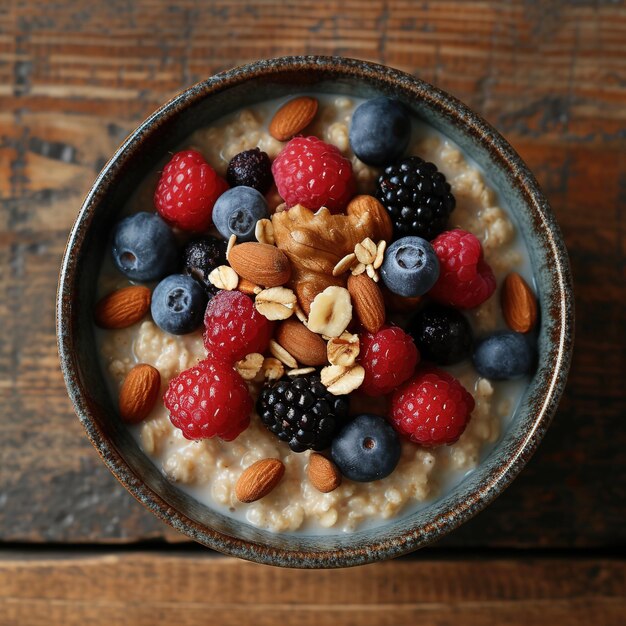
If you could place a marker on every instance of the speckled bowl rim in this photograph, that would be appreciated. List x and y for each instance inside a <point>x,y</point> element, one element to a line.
<point>560,344</point>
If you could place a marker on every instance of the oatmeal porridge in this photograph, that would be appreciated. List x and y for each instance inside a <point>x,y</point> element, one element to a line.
<point>307,323</point>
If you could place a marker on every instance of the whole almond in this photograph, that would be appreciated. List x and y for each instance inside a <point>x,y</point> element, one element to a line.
<point>259,479</point>
<point>360,205</point>
<point>368,302</point>
<point>139,392</point>
<point>306,346</point>
<point>323,473</point>
<point>122,308</point>
<point>519,304</point>
<point>293,117</point>
<point>260,263</point>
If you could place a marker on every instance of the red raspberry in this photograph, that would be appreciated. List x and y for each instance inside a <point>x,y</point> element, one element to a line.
<point>234,328</point>
<point>313,173</point>
<point>209,400</point>
<point>389,357</point>
<point>432,408</point>
<point>187,191</point>
<point>465,280</point>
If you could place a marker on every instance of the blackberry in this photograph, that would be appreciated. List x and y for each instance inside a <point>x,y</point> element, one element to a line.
<point>250,168</point>
<point>442,334</point>
<point>201,256</point>
<point>417,197</point>
<point>302,412</point>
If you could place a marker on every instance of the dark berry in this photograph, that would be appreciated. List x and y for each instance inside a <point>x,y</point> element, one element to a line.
<point>380,131</point>
<point>144,247</point>
<point>302,412</point>
<point>504,355</point>
<point>367,449</point>
<point>178,304</point>
<point>237,211</point>
<point>410,267</point>
<point>442,334</point>
<point>201,256</point>
<point>250,168</point>
<point>417,197</point>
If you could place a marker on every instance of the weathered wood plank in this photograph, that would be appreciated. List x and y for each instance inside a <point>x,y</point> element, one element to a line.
<point>77,76</point>
<point>607,612</point>
<point>152,589</point>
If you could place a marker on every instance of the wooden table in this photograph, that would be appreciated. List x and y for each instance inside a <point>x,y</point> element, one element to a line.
<point>76,77</point>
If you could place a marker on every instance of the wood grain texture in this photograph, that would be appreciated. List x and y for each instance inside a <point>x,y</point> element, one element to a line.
<point>148,589</point>
<point>77,76</point>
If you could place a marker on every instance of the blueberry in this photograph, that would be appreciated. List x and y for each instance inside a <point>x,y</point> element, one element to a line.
<point>237,211</point>
<point>366,449</point>
<point>144,247</point>
<point>178,304</point>
<point>504,355</point>
<point>442,334</point>
<point>380,131</point>
<point>410,267</point>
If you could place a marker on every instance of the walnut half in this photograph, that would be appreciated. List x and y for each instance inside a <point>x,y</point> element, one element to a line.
<point>316,242</point>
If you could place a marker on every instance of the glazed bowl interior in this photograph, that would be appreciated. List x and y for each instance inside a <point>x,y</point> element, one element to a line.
<point>203,104</point>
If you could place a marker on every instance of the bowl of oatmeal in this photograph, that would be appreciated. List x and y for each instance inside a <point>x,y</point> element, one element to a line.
<point>315,312</point>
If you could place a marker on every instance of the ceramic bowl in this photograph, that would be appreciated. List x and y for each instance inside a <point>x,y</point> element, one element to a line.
<point>199,106</point>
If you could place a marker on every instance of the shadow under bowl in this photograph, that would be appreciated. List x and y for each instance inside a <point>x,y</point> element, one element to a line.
<point>199,106</point>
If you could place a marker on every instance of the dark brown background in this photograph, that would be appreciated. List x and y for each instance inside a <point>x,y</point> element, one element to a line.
<point>76,77</point>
